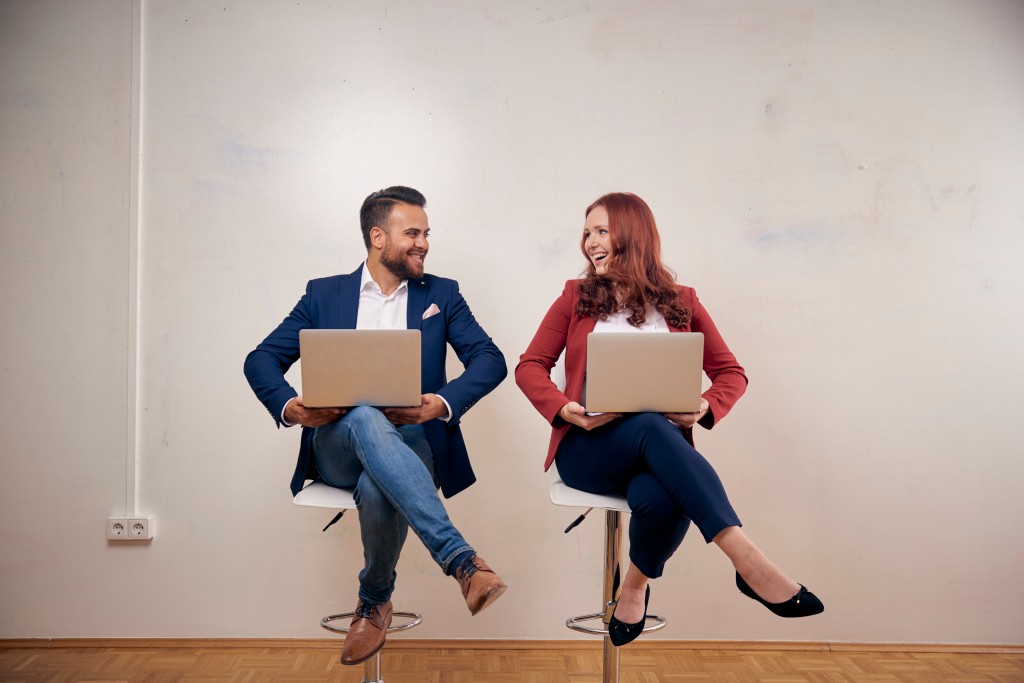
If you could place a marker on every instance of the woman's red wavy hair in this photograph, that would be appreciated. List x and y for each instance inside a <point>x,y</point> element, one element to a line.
<point>635,269</point>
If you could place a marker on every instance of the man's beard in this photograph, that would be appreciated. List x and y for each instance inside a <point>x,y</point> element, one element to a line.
<point>398,264</point>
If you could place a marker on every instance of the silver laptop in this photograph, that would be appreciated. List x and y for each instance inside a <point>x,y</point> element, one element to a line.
<point>631,372</point>
<point>342,368</point>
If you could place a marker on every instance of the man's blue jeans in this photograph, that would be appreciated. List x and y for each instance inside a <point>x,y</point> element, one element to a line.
<point>392,471</point>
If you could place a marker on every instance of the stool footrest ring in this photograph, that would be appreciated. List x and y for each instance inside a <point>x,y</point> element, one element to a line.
<point>574,624</point>
<point>414,619</point>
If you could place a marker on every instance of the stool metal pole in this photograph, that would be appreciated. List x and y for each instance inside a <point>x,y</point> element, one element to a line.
<point>612,568</point>
<point>371,669</point>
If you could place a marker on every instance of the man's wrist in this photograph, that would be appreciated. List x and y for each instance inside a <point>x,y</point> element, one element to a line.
<point>284,411</point>
<point>445,416</point>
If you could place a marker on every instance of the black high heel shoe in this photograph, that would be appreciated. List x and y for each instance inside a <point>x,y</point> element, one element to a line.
<point>620,633</point>
<point>803,604</point>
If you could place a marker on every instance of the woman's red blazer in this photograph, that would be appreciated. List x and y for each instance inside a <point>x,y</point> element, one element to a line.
<point>562,329</point>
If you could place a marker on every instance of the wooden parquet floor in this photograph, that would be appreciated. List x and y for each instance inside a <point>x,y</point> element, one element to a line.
<point>410,662</point>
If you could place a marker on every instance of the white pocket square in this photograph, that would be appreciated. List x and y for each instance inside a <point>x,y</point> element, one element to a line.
<point>432,310</point>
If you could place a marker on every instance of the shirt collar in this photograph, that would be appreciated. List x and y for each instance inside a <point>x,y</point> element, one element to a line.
<point>366,281</point>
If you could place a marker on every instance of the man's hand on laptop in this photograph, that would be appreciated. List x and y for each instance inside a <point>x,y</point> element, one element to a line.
<point>298,414</point>
<point>431,407</point>
<point>688,419</point>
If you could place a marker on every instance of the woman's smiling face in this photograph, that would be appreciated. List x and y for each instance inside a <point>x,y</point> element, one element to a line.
<point>597,240</point>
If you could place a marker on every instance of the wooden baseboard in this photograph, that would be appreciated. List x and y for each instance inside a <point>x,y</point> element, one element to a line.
<point>532,645</point>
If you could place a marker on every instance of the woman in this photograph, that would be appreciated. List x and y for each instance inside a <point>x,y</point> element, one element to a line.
<point>649,457</point>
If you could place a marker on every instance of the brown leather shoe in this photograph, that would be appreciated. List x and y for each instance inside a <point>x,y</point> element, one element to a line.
<point>367,633</point>
<point>480,588</point>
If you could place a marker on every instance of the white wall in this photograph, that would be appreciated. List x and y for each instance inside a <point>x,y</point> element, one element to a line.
<point>840,182</point>
<point>65,102</point>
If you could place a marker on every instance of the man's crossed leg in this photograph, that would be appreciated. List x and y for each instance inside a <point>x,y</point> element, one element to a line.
<point>392,471</point>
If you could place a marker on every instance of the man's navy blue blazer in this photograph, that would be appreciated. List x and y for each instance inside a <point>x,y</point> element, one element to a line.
<point>332,303</point>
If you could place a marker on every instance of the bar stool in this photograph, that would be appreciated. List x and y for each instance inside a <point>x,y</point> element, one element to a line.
<point>320,495</point>
<point>614,506</point>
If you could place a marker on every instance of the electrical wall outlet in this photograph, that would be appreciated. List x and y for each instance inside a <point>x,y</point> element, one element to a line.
<point>129,528</point>
<point>140,528</point>
<point>117,529</point>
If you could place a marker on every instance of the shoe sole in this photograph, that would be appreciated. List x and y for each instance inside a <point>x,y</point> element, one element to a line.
<point>491,597</point>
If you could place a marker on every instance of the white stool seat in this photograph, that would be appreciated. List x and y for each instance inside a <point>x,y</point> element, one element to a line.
<point>320,495</point>
<point>562,494</point>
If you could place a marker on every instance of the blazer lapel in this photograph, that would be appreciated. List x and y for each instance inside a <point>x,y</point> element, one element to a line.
<point>416,304</point>
<point>349,298</point>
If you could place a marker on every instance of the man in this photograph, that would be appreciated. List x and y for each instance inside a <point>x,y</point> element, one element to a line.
<point>395,458</point>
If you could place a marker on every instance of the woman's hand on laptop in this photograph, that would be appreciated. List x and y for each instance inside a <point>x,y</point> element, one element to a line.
<point>574,413</point>
<point>688,419</point>
<point>431,407</point>
<point>298,414</point>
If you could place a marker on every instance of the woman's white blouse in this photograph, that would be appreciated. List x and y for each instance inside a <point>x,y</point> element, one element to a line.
<point>619,323</point>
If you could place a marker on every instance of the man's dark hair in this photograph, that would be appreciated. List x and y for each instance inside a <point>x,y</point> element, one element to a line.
<point>377,207</point>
